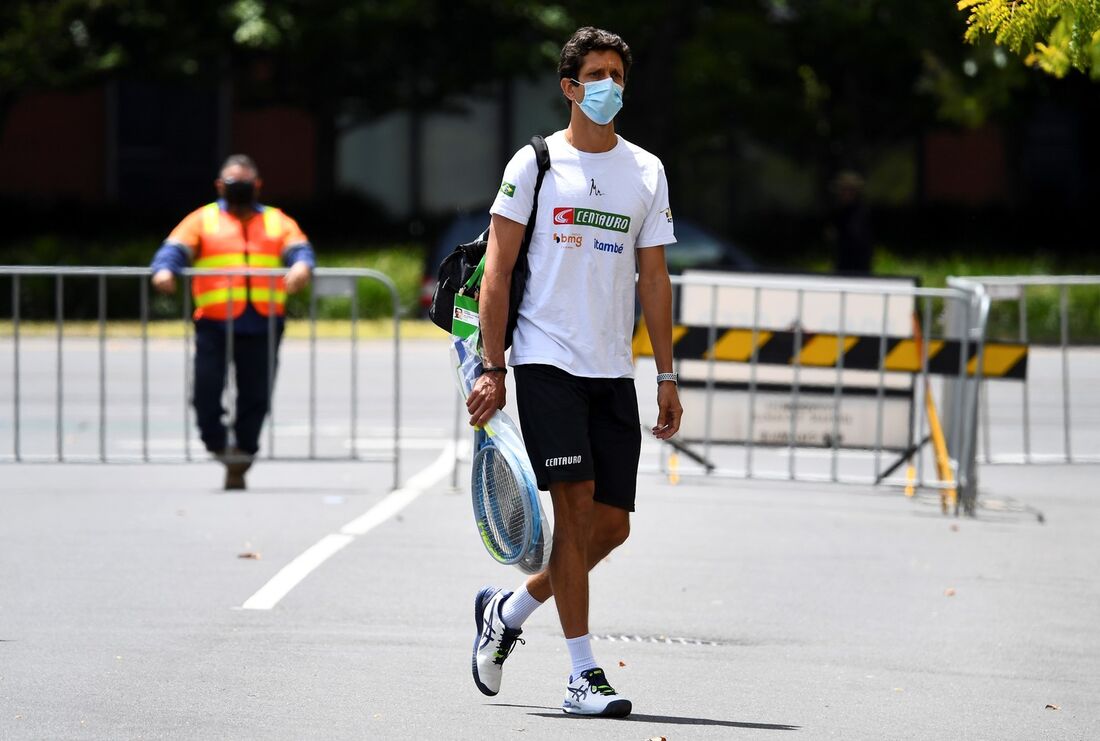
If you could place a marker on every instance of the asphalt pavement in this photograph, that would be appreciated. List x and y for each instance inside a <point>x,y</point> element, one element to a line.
<point>737,609</point>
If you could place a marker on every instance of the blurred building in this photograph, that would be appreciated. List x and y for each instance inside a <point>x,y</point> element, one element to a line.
<point>141,144</point>
<point>158,145</point>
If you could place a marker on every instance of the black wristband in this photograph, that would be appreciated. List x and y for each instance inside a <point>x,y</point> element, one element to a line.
<point>494,369</point>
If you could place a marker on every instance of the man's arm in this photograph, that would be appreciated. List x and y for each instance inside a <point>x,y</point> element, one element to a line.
<point>297,255</point>
<point>167,263</point>
<point>177,252</point>
<point>655,294</point>
<point>488,394</point>
<point>301,261</point>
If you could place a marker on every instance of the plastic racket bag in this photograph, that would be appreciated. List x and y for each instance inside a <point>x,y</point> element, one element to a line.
<point>501,445</point>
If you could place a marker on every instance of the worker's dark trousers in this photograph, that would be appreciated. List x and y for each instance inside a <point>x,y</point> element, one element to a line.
<point>250,361</point>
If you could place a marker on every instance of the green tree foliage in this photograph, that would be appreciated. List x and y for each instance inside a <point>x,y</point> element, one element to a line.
<point>349,61</point>
<point>1054,35</point>
<point>829,84</point>
<point>70,42</point>
<point>345,60</point>
<point>813,86</point>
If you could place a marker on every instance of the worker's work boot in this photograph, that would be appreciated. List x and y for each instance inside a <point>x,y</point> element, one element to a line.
<point>237,463</point>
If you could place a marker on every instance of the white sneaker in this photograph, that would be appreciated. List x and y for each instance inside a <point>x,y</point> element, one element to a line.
<point>494,640</point>
<point>590,694</point>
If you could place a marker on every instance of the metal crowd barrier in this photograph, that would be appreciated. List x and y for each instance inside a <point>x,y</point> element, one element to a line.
<point>326,281</point>
<point>790,455</point>
<point>1054,415</point>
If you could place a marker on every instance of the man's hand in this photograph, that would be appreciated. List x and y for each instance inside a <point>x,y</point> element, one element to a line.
<point>164,281</point>
<point>297,277</point>
<point>669,411</point>
<point>488,395</point>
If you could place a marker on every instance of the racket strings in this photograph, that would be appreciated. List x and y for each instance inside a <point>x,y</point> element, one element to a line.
<point>503,502</point>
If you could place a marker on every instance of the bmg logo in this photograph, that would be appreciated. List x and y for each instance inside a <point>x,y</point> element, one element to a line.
<point>569,241</point>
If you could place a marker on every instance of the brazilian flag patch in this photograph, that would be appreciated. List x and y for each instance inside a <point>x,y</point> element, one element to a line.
<point>508,189</point>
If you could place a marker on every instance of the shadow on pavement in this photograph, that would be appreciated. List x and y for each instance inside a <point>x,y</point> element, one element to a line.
<point>669,719</point>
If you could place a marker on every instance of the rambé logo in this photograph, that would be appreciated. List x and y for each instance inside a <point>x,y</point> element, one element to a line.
<point>568,240</point>
<point>588,217</point>
<point>563,216</point>
<point>608,246</point>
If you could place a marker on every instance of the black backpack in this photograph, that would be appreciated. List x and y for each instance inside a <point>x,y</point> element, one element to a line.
<point>457,271</point>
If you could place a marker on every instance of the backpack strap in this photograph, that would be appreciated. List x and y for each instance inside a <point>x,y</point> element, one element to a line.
<point>542,157</point>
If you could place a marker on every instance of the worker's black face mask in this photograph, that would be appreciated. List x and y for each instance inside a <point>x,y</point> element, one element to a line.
<point>240,192</point>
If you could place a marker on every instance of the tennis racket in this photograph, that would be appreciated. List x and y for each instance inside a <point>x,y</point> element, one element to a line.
<point>507,508</point>
<point>504,505</point>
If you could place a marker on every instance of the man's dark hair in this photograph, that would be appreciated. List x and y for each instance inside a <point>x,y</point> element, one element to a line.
<point>590,39</point>
<point>242,160</point>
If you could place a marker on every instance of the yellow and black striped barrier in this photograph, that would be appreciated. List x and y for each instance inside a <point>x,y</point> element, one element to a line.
<point>860,352</point>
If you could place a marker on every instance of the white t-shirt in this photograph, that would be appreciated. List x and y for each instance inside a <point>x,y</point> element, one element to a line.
<point>595,209</point>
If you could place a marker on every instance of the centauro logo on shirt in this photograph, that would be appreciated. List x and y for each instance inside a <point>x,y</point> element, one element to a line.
<point>590,217</point>
<point>567,460</point>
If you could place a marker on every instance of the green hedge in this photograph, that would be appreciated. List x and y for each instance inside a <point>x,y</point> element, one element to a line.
<point>1043,302</point>
<point>404,264</point>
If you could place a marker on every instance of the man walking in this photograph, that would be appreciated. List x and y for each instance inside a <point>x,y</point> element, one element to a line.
<point>235,232</point>
<point>603,209</point>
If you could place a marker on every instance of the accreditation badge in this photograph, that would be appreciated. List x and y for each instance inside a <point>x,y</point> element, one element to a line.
<point>465,320</point>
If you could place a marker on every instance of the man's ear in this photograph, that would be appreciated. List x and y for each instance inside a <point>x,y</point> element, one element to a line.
<point>570,91</point>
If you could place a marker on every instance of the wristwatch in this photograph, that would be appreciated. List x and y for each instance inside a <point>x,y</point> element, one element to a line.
<point>667,377</point>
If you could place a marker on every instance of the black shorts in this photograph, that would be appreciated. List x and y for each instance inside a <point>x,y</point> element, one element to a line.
<point>581,429</point>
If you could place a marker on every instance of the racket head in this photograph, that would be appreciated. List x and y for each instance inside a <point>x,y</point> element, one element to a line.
<point>502,504</point>
<point>537,557</point>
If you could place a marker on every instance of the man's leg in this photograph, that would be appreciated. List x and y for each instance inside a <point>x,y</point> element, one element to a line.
<point>616,446</point>
<point>553,409</point>
<point>209,383</point>
<point>616,450</point>
<point>610,528</point>
<point>251,357</point>
<point>613,448</point>
<point>568,570</point>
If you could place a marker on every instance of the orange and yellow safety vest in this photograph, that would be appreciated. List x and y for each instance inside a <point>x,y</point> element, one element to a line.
<point>219,239</point>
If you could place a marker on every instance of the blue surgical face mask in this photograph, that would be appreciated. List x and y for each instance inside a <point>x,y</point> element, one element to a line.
<point>602,100</point>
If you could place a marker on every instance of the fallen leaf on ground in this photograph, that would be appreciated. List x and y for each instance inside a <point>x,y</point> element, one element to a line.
<point>1053,707</point>
<point>249,554</point>
<point>622,664</point>
<point>949,592</point>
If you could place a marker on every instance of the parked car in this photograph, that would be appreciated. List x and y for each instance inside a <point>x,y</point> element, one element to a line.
<point>695,247</point>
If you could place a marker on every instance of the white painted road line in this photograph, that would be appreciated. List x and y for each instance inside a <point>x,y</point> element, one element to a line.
<point>294,572</point>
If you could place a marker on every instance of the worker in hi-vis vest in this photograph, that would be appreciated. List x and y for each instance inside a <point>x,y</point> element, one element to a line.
<point>235,231</point>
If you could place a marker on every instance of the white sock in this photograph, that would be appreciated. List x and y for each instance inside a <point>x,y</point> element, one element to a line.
<point>580,653</point>
<point>517,608</point>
